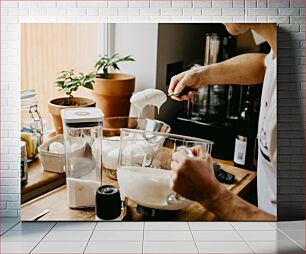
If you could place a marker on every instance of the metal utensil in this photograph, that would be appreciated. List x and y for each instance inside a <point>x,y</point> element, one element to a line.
<point>37,217</point>
<point>185,91</point>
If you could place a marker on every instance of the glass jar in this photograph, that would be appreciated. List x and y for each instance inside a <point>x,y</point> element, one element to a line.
<point>144,170</point>
<point>23,163</point>
<point>31,123</point>
<point>83,152</point>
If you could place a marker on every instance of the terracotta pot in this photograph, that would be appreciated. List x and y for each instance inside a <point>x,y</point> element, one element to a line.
<point>113,94</point>
<point>55,107</point>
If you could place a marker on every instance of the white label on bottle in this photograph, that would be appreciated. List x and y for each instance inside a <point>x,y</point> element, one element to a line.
<point>240,151</point>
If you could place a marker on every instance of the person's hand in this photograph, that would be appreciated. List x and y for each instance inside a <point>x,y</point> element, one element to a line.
<point>194,178</point>
<point>199,152</point>
<point>191,78</point>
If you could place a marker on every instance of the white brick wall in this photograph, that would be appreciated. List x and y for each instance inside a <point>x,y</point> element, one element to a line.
<point>222,4</point>
<point>288,13</point>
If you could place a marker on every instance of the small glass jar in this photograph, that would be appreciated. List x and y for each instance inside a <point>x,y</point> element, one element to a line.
<point>31,123</point>
<point>23,163</point>
<point>83,152</point>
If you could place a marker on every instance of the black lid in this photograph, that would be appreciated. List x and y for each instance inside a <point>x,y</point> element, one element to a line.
<point>108,202</point>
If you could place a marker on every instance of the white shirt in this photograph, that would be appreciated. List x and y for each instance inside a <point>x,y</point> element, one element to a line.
<point>266,167</point>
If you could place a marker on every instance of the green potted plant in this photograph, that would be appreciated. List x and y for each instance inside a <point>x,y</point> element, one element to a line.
<point>113,90</point>
<point>69,82</point>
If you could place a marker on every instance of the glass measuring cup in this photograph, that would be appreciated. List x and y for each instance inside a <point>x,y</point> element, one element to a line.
<point>144,171</point>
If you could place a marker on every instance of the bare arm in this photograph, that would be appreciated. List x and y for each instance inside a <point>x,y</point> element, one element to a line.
<point>244,69</point>
<point>228,206</point>
<point>194,179</point>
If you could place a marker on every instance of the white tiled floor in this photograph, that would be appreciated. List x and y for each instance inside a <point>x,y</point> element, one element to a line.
<point>8,223</point>
<point>271,235</point>
<point>219,226</point>
<point>222,236</point>
<point>17,247</point>
<point>111,247</point>
<point>253,226</point>
<point>170,247</point>
<point>224,247</point>
<point>107,236</point>
<point>23,236</point>
<point>60,247</point>
<point>166,226</point>
<point>152,237</point>
<point>34,226</point>
<point>75,226</point>
<point>69,236</point>
<point>275,247</point>
<point>167,236</point>
<point>120,226</point>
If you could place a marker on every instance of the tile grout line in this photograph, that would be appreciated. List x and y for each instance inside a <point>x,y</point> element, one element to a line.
<point>193,237</point>
<point>244,240</point>
<point>10,228</point>
<point>90,237</point>
<point>290,238</point>
<point>42,238</point>
<point>273,225</point>
<point>143,232</point>
<point>232,226</point>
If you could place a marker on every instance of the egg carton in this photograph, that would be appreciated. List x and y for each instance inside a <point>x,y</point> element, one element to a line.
<point>52,162</point>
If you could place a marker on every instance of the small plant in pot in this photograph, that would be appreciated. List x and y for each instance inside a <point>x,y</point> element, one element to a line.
<point>113,90</point>
<point>69,82</point>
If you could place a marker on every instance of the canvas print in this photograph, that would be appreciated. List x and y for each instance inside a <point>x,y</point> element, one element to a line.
<point>148,122</point>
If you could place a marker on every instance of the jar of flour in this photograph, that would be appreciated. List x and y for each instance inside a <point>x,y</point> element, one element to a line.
<point>83,151</point>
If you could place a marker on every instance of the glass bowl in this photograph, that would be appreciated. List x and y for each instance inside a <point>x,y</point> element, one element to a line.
<point>111,138</point>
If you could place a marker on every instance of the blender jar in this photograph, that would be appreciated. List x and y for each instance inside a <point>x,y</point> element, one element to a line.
<point>83,151</point>
<point>144,171</point>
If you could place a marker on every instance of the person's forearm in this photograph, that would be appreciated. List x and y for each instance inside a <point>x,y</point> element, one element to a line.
<point>244,69</point>
<point>230,207</point>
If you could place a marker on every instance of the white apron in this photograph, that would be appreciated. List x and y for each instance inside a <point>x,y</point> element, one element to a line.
<point>266,167</point>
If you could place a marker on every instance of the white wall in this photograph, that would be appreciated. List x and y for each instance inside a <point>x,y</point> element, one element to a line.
<point>140,41</point>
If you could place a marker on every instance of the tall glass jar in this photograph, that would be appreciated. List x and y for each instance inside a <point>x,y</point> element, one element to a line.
<point>83,151</point>
<point>32,128</point>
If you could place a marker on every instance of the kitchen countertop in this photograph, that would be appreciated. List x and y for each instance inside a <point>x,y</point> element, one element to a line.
<point>56,202</point>
<point>40,181</point>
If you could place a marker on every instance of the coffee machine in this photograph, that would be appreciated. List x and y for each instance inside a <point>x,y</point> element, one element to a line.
<point>215,111</point>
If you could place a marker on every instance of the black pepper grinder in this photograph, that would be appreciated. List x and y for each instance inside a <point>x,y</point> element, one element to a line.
<point>108,202</point>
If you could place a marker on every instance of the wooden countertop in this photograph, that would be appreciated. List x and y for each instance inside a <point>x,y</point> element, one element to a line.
<point>40,181</point>
<point>56,202</point>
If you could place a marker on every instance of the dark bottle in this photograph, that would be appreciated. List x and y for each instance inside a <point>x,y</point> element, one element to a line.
<point>245,142</point>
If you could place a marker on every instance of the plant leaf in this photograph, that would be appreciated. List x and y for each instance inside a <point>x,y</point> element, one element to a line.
<point>88,85</point>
